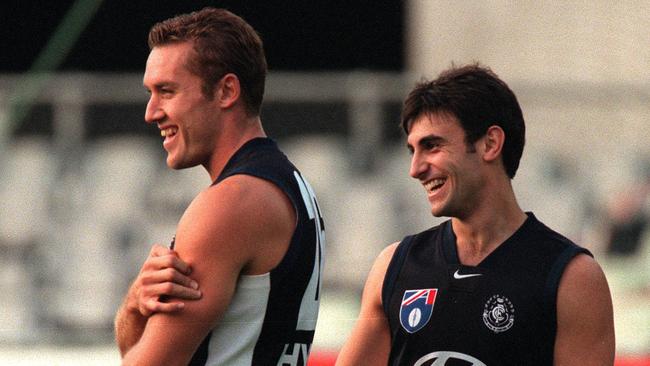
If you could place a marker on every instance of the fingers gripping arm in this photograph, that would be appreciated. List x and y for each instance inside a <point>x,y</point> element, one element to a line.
<point>162,275</point>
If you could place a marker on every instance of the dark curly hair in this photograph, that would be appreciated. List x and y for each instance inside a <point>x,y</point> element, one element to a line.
<point>478,99</point>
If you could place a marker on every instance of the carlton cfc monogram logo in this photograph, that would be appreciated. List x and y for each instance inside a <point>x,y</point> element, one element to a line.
<point>498,314</point>
<point>416,308</point>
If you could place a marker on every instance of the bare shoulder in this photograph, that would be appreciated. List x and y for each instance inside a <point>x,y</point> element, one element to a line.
<point>241,217</point>
<point>248,202</point>
<point>390,249</point>
<point>241,194</point>
<point>585,319</point>
<point>583,292</point>
<point>383,260</point>
<point>375,280</point>
<point>387,253</point>
<point>582,273</point>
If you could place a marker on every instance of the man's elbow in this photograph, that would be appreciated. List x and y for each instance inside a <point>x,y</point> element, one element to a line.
<point>137,357</point>
<point>141,357</point>
<point>130,359</point>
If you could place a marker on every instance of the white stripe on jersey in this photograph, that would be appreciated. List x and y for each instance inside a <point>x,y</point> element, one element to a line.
<point>234,338</point>
<point>310,303</point>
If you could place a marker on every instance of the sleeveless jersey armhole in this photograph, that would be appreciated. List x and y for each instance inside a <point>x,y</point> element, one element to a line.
<point>394,267</point>
<point>553,280</point>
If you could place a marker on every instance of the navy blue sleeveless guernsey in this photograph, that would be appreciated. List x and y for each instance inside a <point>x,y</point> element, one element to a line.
<point>500,312</point>
<point>272,317</point>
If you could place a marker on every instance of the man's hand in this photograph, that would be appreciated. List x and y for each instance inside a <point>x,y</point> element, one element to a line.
<point>161,285</point>
<point>163,276</point>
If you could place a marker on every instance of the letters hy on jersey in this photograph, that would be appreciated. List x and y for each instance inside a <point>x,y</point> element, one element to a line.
<point>416,308</point>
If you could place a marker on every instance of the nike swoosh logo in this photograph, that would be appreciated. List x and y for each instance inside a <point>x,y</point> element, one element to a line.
<point>459,276</point>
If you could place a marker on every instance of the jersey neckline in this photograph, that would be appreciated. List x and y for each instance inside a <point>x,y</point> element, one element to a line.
<point>450,248</point>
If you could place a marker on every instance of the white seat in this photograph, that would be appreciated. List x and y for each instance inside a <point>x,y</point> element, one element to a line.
<point>358,230</point>
<point>27,173</point>
<point>116,174</point>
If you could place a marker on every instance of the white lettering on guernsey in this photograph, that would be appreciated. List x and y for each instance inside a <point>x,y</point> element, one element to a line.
<point>310,301</point>
<point>291,359</point>
<point>440,359</point>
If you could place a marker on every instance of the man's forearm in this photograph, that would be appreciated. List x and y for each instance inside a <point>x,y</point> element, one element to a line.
<point>129,326</point>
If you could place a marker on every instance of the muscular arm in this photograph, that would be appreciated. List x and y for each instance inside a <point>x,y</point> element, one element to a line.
<point>585,325</point>
<point>241,225</point>
<point>162,274</point>
<point>129,325</point>
<point>369,343</point>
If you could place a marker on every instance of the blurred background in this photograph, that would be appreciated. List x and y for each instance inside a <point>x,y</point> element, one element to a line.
<point>84,190</point>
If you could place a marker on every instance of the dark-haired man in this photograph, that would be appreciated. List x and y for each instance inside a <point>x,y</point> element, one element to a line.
<point>493,285</point>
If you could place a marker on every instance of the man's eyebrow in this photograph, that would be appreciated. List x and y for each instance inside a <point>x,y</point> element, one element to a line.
<point>161,85</point>
<point>429,139</point>
<point>426,140</point>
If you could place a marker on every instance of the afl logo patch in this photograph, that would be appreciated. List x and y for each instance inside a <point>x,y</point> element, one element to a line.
<point>416,308</point>
<point>498,314</point>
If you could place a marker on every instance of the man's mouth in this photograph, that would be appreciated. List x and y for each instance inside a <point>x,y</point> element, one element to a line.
<point>434,184</point>
<point>168,132</point>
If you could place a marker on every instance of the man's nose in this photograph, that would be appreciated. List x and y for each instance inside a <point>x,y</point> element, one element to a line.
<point>418,166</point>
<point>153,113</point>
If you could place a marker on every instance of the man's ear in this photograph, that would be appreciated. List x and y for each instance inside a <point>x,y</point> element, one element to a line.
<point>228,90</point>
<point>493,142</point>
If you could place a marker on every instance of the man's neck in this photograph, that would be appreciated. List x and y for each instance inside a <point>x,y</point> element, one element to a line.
<point>233,136</point>
<point>489,225</point>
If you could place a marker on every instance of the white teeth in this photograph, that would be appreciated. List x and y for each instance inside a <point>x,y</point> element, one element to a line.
<point>434,184</point>
<point>168,131</point>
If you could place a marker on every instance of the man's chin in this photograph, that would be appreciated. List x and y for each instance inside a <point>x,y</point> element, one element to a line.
<point>440,212</point>
<point>436,211</point>
<point>176,165</point>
